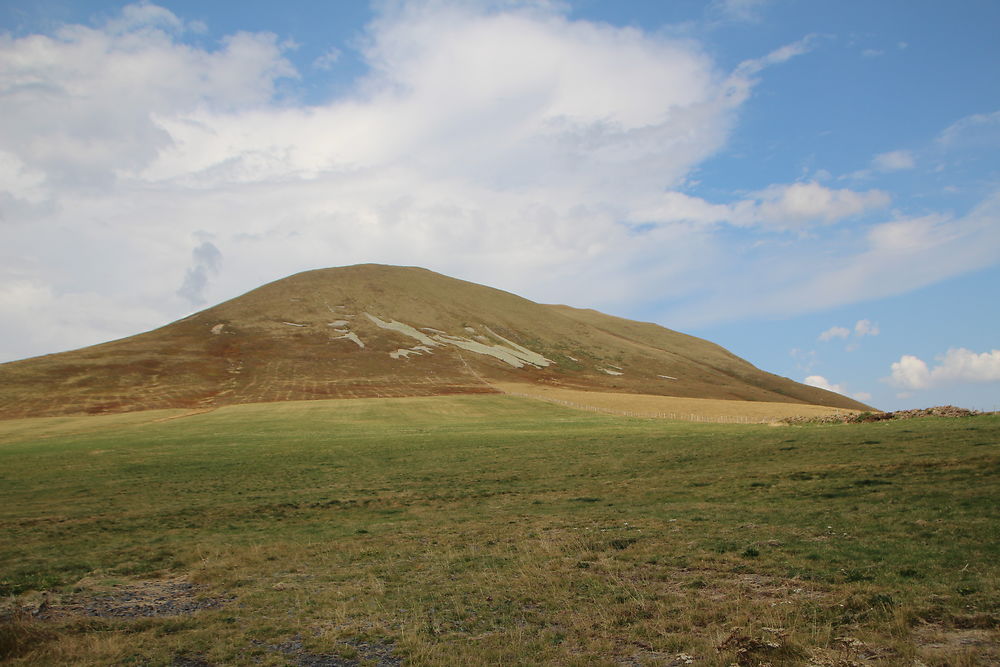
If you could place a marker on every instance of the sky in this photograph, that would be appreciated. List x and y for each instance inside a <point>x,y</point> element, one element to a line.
<point>814,185</point>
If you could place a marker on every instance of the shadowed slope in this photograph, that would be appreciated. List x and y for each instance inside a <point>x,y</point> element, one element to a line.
<point>371,331</point>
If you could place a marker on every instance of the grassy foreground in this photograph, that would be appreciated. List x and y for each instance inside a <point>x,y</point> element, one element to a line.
<point>495,530</point>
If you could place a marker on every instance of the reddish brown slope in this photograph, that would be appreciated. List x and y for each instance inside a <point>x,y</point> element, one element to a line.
<point>372,330</point>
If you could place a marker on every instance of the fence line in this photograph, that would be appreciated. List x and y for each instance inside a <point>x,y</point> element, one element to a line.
<point>719,419</point>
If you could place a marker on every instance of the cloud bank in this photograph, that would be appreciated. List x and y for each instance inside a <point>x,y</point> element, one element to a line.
<point>957,365</point>
<point>558,168</point>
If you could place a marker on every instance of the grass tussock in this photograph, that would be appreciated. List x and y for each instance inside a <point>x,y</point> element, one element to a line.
<point>494,530</point>
<point>20,634</point>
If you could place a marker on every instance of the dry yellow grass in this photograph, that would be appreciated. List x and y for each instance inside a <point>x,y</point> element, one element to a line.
<point>669,407</point>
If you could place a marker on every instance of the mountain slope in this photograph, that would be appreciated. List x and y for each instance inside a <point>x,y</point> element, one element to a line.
<point>373,330</point>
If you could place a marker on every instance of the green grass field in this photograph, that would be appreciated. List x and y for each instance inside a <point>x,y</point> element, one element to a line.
<point>495,530</point>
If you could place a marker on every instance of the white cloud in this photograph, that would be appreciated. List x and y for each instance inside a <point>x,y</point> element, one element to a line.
<point>780,207</point>
<point>509,166</point>
<point>144,16</point>
<point>19,181</point>
<point>957,365</point>
<point>862,328</point>
<point>822,383</point>
<point>890,258</point>
<point>910,372</point>
<point>834,332</point>
<point>865,328</point>
<point>788,206</point>
<point>805,360</point>
<point>885,162</point>
<point>574,106</point>
<point>78,105</point>
<point>677,206</point>
<point>962,365</point>
<point>38,319</point>
<point>328,59</point>
<point>894,161</point>
<point>503,143</point>
<point>979,131</point>
<point>740,10</point>
<point>749,68</point>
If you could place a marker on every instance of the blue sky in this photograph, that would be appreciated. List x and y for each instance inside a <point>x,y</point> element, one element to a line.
<point>814,185</point>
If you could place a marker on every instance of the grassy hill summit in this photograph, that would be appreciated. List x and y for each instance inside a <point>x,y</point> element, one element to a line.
<point>369,331</point>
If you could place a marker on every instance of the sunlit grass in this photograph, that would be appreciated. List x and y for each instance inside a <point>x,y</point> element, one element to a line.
<point>496,530</point>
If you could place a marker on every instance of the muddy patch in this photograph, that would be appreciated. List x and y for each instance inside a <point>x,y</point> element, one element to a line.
<point>176,596</point>
<point>764,647</point>
<point>846,651</point>
<point>350,654</point>
<point>939,645</point>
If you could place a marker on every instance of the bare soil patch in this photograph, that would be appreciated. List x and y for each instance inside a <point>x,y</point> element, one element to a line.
<point>175,596</point>
<point>937,644</point>
<point>352,653</point>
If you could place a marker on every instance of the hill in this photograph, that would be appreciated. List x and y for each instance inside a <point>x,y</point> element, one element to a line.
<point>383,331</point>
